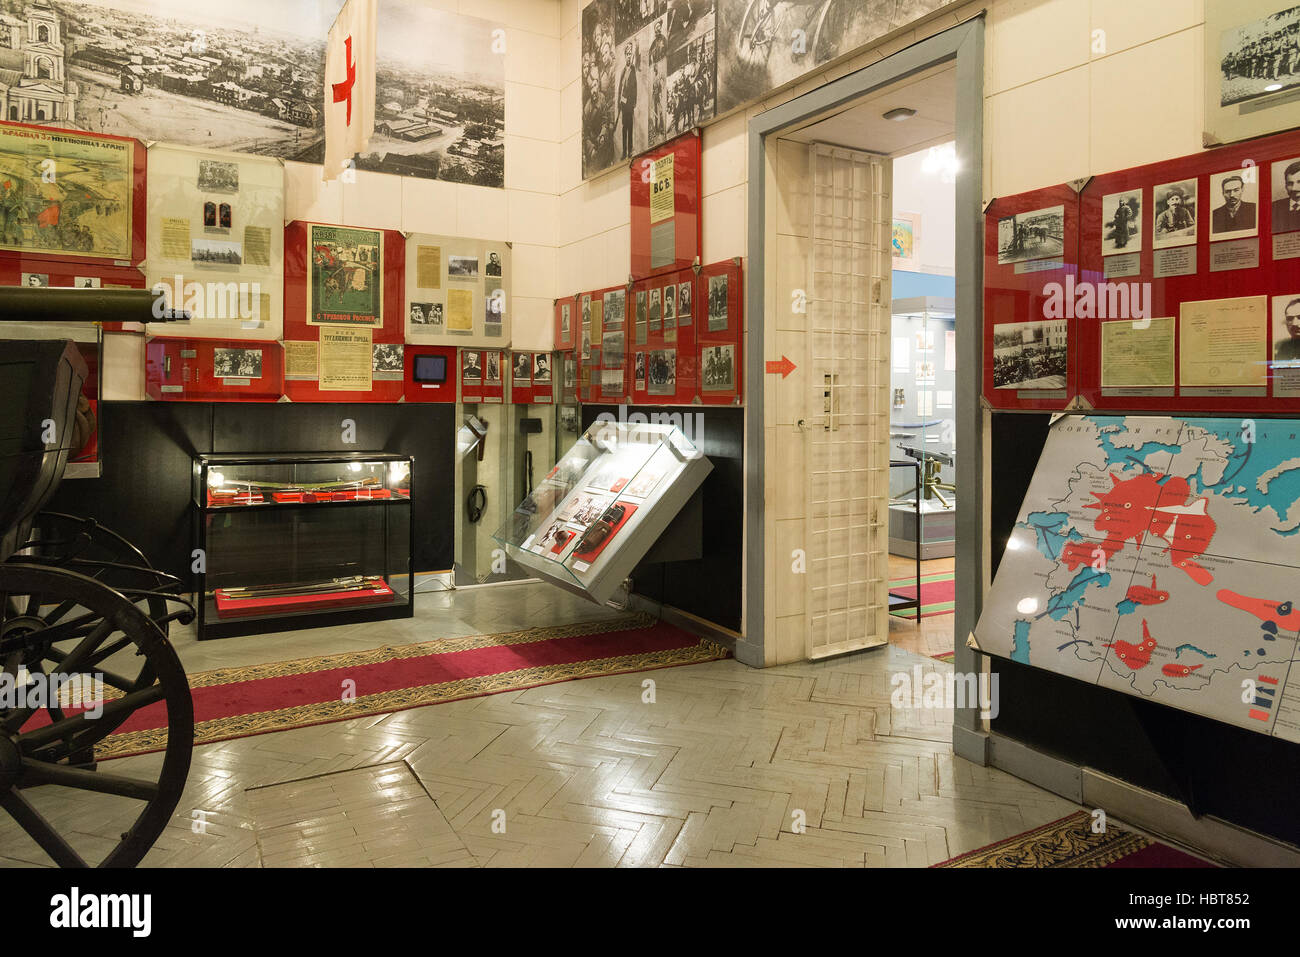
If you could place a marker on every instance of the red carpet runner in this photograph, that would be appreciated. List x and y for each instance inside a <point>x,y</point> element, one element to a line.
<point>1070,842</point>
<point>236,702</point>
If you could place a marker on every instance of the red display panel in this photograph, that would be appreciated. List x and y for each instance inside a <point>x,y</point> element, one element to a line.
<point>592,386</point>
<point>566,367</point>
<point>482,375</point>
<point>1030,245</point>
<point>416,390</point>
<point>53,217</point>
<point>719,359</point>
<point>186,370</point>
<point>532,377</point>
<point>1138,286</point>
<point>568,323</point>
<point>662,358</point>
<point>666,208</point>
<point>297,273</point>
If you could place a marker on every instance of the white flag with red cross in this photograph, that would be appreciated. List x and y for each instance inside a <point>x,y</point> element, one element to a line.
<point>350,84</point>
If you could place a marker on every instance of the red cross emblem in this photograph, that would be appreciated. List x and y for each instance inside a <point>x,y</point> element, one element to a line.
<point>343,91</point>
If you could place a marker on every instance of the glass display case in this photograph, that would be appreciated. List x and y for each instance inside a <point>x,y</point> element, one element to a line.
<point>605,503</point>
<point>922,427</point>
<point>298,541</point>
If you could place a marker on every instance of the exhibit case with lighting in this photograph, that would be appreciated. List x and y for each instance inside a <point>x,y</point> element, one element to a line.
<point>300,541</point>
<point>603,506</point>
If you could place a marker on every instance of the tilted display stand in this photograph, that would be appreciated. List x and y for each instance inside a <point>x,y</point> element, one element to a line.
<point>604,505</point>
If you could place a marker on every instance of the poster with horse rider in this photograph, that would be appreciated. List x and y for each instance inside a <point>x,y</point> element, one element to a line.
<point>346,284</point>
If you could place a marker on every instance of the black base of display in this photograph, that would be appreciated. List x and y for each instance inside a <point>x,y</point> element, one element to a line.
<point>213,627</point>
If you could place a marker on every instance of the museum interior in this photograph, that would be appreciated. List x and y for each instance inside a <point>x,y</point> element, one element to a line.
<point>633,529</point>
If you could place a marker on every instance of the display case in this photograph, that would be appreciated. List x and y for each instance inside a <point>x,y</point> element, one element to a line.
<point>606,502</point>
<point>299,541</point>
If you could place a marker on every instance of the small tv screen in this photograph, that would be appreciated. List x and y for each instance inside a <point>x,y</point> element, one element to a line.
<point>430,369</point>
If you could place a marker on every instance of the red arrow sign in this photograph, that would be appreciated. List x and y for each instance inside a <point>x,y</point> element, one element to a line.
<point>782,366</point>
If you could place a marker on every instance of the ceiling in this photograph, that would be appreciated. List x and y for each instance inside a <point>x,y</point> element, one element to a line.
<point>932,94</point>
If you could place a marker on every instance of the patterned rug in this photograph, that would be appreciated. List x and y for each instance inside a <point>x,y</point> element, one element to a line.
<point>1070,842</point>
<point>937,594</point>
<point>945,656</point>
<point>237,702</point>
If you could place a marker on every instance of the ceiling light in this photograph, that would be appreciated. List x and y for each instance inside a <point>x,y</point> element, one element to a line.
<point>900,113</point>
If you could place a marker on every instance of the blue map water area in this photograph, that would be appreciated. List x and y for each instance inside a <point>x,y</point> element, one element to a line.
<point>1275,442</point>
<point>1059,605</point>
<point>1020,642</point>
<point>1110,426</point>
<point>1049,533</point>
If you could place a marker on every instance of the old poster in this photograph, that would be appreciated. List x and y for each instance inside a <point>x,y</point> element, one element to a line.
<point>428,267</point>
<point>1222,342</point>
<point>345,360</point>
<point>460,310</point>
<point>345,282</point>
<point>63,192</point>
<point>301,360</point>
<point>662,190</point>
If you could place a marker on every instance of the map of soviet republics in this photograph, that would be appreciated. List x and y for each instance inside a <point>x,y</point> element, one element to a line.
<point>1161,557</point>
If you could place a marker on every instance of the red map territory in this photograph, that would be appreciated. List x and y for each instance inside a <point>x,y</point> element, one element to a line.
<point>1160,557</point>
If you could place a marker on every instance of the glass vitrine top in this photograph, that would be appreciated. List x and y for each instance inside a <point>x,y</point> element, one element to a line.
<point>225,481</point>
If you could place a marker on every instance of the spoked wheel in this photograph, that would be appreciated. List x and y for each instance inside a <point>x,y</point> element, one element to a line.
<point>754,37</point>
<point>111,661</point>
<point>832,24</point>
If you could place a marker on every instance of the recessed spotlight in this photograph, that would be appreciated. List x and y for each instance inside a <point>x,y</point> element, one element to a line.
<point>900,113</point>
<point>1271,88</point>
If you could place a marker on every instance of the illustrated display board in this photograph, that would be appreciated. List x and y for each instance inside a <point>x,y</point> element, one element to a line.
<point>532,377</point>
<point>568,324</point>
<point>216,240</point>
<point>482,375</point>
<point>601,311</point>
<point>430,373</point>
<point>719,364</point>
<point>343,313</point>
<point>1030,249</point>
<point>666,222</point>
<point>213,370</point>
<point>70,195</point>
<point>1156,556</point>
<point>457,290</point>
<point>1188,296</point>
<point>606,502</point>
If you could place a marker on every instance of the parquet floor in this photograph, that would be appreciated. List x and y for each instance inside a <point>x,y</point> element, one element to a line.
<point>722,766</point>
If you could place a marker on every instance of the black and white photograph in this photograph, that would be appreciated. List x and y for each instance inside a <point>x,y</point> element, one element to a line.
<point>586,310</point>
<point>422,314</point>
<point>86,282</point>
<point>611,350</point>
<point>670,304</point>
<point>614,308</point>
<point>223,216</point>
<point>1037,234</point>
<point>649,73</point>
<point>471,367</point>
<point>1259,57</point>
<point>386,360</point>
<point>656,310</point>
<point>639,370</point>
<point>764,44</point>
<point>216,252</point>
<point>541,367</point>
<point>684,303</point>
<point>564,321</point>
<point>1029,355</point>
<point>36,279</point>
<point>494,301</point>
<point>1286,195</point>
<point>492,371</point>
<point>1174,205</point>
<point>641,312</point>
<point>1234,204</point>
<point>462,267</point>
<point>522,371</point>
<point>719,372</point>
<point>493,267</point>
<point>661,372</point>
<point>209,214</point>
<point>237,363</point>
<point>249,76</point>
<point>1286,331</point>
<point>216,176</point>
<point>1121,222</point>
<point>717,303</point>
<point>570,371</point>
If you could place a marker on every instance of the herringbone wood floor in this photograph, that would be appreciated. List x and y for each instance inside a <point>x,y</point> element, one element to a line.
<point>802,765</point>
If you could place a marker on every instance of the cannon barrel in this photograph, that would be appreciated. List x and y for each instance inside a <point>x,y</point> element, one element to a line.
<point>46,304</point>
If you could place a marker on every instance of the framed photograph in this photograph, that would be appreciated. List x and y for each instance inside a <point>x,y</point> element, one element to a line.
<point>1252,68</point>
<point>1029,355</point>
<point>463,268</point>
<point>656,310</point>
<point>522,369</point>
<point>209,214</point>
<point>386,360</point>
<point>639,370</point>
<point>670,304</point>
<point>345,282</point>
<point>564,321</point>
<point>541,368</point>
<point>36,279</point>
<point>614,307</point>
<point>492,269</point>
<point>684,302</point>
<point>586,309</point>
<point>216,252</point>
<point>1037,234</point>
<point>1285,348</point>
<point>1234,204</point>
<point>1121,222</point>
<point>662,372</point>
<point>237,363</point>
<point>492,371</point>
<point>642,314</point>
<point>1175,214</point>
<point>422,313</point>
<point>717,303</point>
<point>1286,195</point>
<point>86,282</point>
<point>719,368</point>
<point>906,231</point>
<point>471,366</point>
<point>216,176</point>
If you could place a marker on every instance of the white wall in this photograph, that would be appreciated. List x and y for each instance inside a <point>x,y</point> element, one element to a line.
<point>935,202</point>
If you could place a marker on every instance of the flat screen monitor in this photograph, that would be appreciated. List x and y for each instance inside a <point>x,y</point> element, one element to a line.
<point>430,369</point>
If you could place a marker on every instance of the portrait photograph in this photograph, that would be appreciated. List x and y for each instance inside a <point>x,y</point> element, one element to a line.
<point>719,373</point>
<point>522,370</point>
<point>492,372</point>
<point>493,267</point>
<point>717,303</point>
<point>1285,343</point>
<point>1234,204</point>
<point>1121,222</point>
<point>36,279</point>
<point>471,367</point>
<point>656,309</point>
<point>542,367</point>
<point>670,304</point>
<point>564,321</point>
<point>1286,195</point>
<point>640,368</point>
<point>1175,214</point>
<point>684,301</point>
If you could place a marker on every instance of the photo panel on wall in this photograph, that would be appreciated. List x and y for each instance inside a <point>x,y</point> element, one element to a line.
<point>457,290</point>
